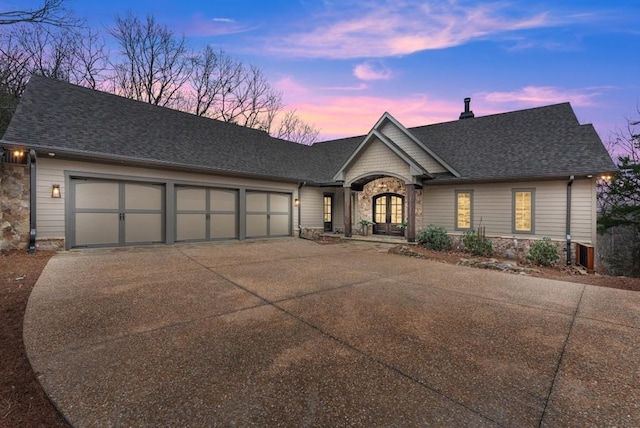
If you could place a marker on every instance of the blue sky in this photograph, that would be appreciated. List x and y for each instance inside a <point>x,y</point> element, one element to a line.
<point>341,64</point>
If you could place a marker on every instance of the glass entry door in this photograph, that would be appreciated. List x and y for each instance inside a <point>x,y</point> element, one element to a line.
<point>327,212</point>
<point>388,213</point>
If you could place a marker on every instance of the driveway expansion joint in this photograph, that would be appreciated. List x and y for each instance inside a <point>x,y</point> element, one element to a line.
<point>559,363</point>
<point>342,342</point>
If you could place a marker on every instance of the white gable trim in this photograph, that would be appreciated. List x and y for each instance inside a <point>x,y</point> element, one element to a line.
<point>414,167</point>
<point>386,116</point>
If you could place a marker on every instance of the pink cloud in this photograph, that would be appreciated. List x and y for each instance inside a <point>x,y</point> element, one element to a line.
<point>399,28</point>
<point>370,71</point>
<point>543,95</point>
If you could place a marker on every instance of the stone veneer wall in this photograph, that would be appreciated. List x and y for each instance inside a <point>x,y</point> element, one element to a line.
<point>517,248</point>
<point>14,204</point>
<point>371,189</point>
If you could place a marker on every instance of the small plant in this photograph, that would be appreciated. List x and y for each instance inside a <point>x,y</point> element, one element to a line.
<point>476,243</point>
<point>402,226</point>
<point>434,238</point>
<point>365,226</point>
<point>544,252</point>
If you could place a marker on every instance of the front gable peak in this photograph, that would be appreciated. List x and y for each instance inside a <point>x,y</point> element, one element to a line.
<point>387,131</point>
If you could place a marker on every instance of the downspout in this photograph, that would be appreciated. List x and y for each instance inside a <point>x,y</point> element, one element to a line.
<point>32,201</point>
<point>302,183</point>
<point>568,249</point>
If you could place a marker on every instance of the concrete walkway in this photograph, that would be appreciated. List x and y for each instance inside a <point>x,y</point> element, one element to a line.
<point>293,333</point>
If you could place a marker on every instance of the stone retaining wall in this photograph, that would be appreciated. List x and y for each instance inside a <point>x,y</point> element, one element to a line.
<point>517,248</point>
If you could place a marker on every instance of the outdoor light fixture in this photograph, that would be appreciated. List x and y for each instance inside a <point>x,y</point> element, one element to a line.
<point>17,153</point>
<point>55,191</point>
<point>296,202</point>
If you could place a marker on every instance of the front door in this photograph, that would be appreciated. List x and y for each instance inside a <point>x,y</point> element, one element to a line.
<point>328,213</point>
<point>388,214</point>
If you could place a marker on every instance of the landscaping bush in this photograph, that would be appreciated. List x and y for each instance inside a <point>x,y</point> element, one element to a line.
<point>434,238</point>
<point>543,252</point>
<point>477,244</point>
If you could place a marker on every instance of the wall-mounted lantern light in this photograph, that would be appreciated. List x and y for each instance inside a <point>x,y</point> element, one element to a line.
<point>296,202</point>
<point>55,191</point>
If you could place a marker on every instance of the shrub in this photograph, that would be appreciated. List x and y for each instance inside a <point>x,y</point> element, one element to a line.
<point>477,244</point>
<point>543,252</point>
<point>434,238</point>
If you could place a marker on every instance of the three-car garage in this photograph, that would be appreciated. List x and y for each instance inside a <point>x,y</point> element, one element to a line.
<point>112,212</point>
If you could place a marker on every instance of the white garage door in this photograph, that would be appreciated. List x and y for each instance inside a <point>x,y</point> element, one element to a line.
<point>206,214</point>
<point>268,214</point>
<point>112,213</point>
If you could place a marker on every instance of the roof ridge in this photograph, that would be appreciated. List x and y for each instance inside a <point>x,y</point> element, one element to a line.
<point>504,113</point>
<point>143,104</point>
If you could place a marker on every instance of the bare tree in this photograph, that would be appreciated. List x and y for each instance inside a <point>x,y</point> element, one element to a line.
<point>228,90</point>
<point>14,75</point>
<point>153,65</point>
<point>73,55</point>
<point>91,60</point>
<point>292,128</point>
<point>215,74</point>
<point>619,204</point>
<point>51,13</point>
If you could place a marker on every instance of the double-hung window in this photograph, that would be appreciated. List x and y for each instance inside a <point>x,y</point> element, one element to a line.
<point>464,207</point>
<point>523,210</point>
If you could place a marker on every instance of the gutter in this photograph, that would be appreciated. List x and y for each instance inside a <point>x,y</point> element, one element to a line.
<point>568,249</point>
<point>32,201</point>
<point>302,183</point>
<point>87,156</point>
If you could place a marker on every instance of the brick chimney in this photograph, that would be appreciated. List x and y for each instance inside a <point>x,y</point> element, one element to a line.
<point>467,113</point>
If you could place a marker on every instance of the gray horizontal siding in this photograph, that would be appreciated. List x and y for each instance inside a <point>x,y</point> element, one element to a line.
<point>50,217</point>
<point>311,207</point>
<point>492,208</point>
<point>412,149</point>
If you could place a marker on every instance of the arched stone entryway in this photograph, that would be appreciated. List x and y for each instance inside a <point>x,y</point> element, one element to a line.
<point>367,191</point>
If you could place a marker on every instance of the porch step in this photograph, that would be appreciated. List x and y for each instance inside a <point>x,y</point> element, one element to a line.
<point>373,238</point>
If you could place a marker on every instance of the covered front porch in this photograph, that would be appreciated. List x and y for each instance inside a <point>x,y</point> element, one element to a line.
<point>380,206</point>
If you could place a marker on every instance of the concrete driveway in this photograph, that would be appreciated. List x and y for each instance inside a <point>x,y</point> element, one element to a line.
<point>293,333</point>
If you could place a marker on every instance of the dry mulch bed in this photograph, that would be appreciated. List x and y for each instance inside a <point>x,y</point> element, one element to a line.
<point>24,403</point>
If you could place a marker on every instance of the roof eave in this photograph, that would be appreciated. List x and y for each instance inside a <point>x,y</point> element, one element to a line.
<point>139,162</point>
<point>517,178</point>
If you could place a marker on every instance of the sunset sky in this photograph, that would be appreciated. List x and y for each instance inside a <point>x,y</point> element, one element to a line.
<point>342,64</point>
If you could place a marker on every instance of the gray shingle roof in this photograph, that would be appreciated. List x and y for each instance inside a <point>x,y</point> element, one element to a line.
<point>537,142</point>
<point>58,115</point>
<point>52,115</point>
